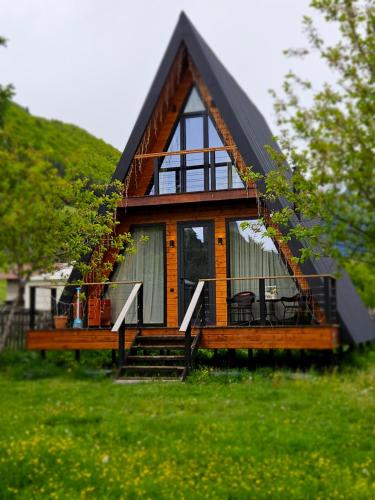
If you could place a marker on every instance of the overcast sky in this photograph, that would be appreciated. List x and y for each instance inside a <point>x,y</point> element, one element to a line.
<point>91,62</point>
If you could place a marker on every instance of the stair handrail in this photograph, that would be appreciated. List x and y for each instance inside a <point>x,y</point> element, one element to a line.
<point>186,327</point>
<point>125,309</point>
<point>119,326</point>
<point>186,322</point>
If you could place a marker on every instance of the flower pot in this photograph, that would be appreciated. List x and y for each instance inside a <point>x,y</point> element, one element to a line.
<point>60,322</point>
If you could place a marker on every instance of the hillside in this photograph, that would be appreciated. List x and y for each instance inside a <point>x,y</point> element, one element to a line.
<point>69,148</point>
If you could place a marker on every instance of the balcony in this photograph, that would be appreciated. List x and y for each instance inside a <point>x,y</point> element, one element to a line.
<point>189,171</point>
<point>191,176</point>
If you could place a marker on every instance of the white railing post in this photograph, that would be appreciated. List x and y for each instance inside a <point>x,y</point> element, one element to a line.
<point>119,325</point>
<point>190,310</point>
<point>126,307</point>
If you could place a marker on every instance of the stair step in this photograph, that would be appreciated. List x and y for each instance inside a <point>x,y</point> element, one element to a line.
<point>159,347</point>
<point>161,337</point>
<point>137,357</point>
<point>161,340</point>
<point>155,368</point>
<point>137,380</point>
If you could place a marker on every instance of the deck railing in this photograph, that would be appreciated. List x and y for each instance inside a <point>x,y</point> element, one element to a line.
<point>94,306</point>
<point>277,300</point>
<point>280,300</point>
<point>186,171</point>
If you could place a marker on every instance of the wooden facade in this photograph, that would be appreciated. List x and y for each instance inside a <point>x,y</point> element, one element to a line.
<point>138,208</point>
<point>303,337</point>
<point>171,217</point>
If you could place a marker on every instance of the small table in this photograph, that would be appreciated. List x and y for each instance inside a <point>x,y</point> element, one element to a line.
<point>271,311</point>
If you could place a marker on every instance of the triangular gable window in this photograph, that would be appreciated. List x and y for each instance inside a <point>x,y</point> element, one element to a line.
<point>198,170</point>
<point>194,103</point>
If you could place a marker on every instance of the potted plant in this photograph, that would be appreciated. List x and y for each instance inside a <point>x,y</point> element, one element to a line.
<point>60,318</point>
<point>60,322</point>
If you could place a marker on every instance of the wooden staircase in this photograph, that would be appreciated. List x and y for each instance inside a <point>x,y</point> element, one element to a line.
<point>157,357</point>
<point>166,357</point>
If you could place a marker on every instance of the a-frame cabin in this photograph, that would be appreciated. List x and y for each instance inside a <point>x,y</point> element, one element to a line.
<point>207,281</point>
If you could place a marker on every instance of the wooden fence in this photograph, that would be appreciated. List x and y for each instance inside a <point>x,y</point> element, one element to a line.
<point>20,324</point>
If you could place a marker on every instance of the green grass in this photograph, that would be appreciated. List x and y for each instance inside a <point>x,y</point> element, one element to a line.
<point>68,432</point>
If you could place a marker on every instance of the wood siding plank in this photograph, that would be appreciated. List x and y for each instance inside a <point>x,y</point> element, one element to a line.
<point>293,337</point>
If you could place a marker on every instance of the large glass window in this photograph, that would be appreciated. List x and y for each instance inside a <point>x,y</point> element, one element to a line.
<point>175,145</point>
<point>194,171</point>
<point>214,141</point>
<point>194,103</point>
<point>195,180</point>
<point>146,265</point>
<point>167,182</point>
<point>253,255</point>
<point>194,139</point>
<point>170,166</point>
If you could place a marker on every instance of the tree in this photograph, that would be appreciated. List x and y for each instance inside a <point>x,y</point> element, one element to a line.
<point>330,143</point>
<point>46,219</point>
<point>6,92</point>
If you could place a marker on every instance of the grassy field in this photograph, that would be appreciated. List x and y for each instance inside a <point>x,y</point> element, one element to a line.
<point>68,432</point>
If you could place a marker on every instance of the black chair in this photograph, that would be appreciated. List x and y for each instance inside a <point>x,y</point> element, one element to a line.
<point>298,307</point>
<point>241,308</point>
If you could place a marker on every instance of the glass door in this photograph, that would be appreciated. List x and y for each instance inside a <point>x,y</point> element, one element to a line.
<point>196,261</point>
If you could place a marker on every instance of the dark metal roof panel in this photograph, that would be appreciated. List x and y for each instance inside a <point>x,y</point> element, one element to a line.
<point>236,107</point>
<point>357,325</point>
<point>149,105</point>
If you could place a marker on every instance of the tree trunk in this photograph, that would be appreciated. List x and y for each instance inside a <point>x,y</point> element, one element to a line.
<point>16,304</point>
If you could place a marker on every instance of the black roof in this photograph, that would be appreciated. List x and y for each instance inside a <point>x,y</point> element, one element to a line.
<point>250,133</point>
<point>245,121</point>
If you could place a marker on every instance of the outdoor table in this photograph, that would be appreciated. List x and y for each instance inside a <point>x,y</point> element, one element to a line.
<point>271,311</point>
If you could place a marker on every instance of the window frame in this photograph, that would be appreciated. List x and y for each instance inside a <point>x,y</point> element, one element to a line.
<point>163,227</point>
<point>211,225</point>
<point>209,164</point>
<point>228,220</point>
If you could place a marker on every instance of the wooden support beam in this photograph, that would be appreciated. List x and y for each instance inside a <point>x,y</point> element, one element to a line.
<point>161,154</point>
<point>250,359</point>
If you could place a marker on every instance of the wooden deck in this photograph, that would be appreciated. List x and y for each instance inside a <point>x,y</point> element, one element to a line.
<point>284,337</point>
